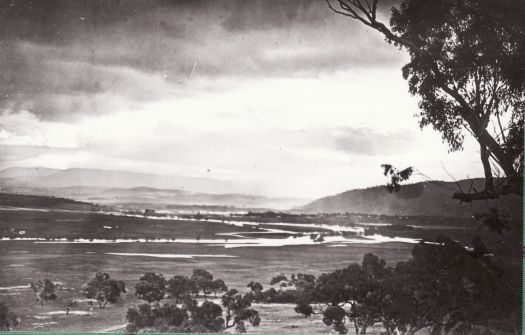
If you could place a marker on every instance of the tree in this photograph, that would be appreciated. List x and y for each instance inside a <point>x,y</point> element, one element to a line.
<point>238,311</point>
<point>256,289</point>
<point>203,281</point>
<point>280,280</point>
<point>166,318</point>
<point>104,289</point>
<point>180,287</point>
<point>208,316</point>
<point>355,294</point>
<point>467,66</point>
<point>445,286</point>
<point>8,319</point>
<point>44,290</point>
<point>335,316</point>
<point>192,316</point>
<point>151,287</point>
<point>302,282</point>
<point>219,286</point>
<point>254,286</point>
<point>304,309</point>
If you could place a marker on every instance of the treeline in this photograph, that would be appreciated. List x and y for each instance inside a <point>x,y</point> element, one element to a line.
<point>177,305</point>
<point>444,287</point>
<point>180,311</point>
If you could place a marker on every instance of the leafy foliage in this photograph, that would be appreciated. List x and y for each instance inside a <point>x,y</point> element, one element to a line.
<point>180,287</point>
<point>494,220</point>
<point>203,281</point>
<point>280,280</point>
<point>255,286</point>
<point>189,314</point>
<point>467,66</point>
<point>238,310</point>
<point>304,309</point>
<point>165,318</point>
<point>395,177</point>
<point>218,286</point>
<point>44,290</point>
<point>442,286</point>
<point>151,287</point>
<point>104,289</point>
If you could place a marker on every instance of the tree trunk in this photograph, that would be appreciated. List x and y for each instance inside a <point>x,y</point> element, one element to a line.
<point>485,139</point>
<point>489,179</point>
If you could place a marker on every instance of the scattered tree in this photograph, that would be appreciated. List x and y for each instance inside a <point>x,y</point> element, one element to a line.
<point>203,281</point>
<point>218,286</point>
<point>151,287</point>
<point>304,308</point>
<point>166,318</point>
<point>44,290</point>
<point>238,311</point>
<point>180,287</point>
<point>280,280</point>
<point>192,316</point>
<point>256,290</point>
<point>104,289</point>
<point>255,286</point>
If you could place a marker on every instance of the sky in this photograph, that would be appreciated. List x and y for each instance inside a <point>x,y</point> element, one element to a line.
<point>285,97</point>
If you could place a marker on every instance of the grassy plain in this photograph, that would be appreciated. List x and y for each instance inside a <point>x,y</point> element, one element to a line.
<point>72,264</point>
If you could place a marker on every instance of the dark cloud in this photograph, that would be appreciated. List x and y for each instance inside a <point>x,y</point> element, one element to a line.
<point>271,14</point>
<point>63,58</point>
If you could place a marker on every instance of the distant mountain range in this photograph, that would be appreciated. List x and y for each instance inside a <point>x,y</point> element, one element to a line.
<point>433,198</point>
<point>124,187</point>
<point>44,177</point>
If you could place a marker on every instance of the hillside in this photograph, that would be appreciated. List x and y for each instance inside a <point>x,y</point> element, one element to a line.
<point>426,198</point>
<point>44,202</point>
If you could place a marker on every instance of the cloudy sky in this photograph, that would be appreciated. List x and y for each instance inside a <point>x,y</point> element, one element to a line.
<point>284,96</point>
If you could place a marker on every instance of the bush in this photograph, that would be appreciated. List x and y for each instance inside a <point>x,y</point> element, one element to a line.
<point>304,309</point>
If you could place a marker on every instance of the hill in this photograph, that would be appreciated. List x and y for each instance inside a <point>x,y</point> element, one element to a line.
<point>44,202</point>
<point>432,198</point>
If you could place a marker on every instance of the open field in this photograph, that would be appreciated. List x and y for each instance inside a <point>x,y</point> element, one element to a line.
<point>233,251</point>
